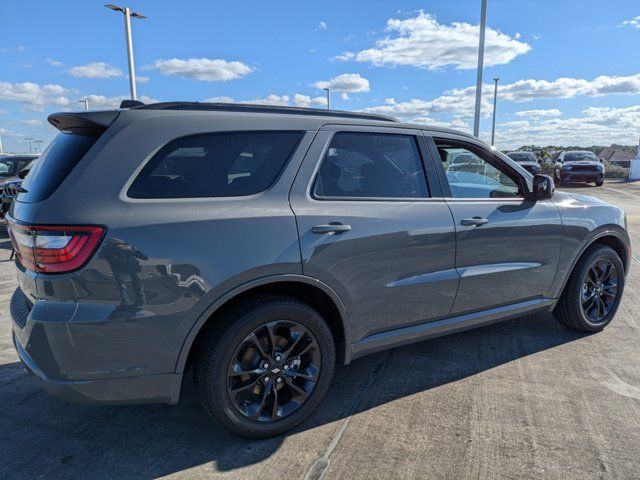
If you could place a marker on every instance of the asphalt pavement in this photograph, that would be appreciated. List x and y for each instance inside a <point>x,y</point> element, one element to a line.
<point>525,398</point>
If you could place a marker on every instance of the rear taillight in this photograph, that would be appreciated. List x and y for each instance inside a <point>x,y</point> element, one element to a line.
<point>54,249</point>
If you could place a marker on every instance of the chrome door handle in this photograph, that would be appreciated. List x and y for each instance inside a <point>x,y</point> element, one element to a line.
<point>331,228</point>
<point>473,221</point>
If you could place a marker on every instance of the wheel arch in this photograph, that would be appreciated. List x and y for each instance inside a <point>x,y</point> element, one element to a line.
<point>612,236</point>
<point>310,290</point>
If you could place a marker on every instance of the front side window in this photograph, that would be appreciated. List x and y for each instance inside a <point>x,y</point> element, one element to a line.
<point>370,165</point>
<point>224,164</point>
<point>471,176</point>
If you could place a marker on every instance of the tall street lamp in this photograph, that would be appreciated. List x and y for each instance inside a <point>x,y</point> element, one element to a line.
<point>30,139</point>
<point>483,23</point>
<point>495,100</point>
<point>127,27</point>
<point>86,104</point>
<point>328,90</point>
<point>38,145</point>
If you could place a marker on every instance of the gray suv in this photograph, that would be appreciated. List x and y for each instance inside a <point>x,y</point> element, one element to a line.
<point>258,247</point>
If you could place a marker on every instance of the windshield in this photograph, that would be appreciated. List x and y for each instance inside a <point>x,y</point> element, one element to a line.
<point>8,167</point>
<point>580,156</point>
<point>523,157</point>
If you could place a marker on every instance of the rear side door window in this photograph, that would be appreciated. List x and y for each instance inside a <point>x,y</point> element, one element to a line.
<point>222,164</point>
<point>371,165</point>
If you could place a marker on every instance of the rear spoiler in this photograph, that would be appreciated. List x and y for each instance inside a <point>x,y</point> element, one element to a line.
<point>83,123</point>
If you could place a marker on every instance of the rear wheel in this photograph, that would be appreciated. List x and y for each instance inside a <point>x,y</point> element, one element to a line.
<point>593,292</point>
<point>266,368</point>
<point>599,182</point>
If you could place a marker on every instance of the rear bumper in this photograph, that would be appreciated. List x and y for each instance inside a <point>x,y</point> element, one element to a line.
<point>56,351</point>
<point>162,388</point>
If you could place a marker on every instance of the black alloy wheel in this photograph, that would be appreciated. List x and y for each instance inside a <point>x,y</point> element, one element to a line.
<point>599,290</point>
<point>273,371</point>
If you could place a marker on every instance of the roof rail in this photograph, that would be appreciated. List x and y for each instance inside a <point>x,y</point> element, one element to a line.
<point>249,107</point>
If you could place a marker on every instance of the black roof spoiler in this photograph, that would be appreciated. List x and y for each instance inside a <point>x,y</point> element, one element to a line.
<point>83,123</point>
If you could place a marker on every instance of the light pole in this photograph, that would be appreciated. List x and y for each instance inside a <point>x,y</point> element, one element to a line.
<point>86,104</point>
<point>483,23</point>
<point>328,90</point>
<point>495,99</point>
<point>127,28</point>
<point>1,151</point>
<point>30,139</point>
<point>38,145</point>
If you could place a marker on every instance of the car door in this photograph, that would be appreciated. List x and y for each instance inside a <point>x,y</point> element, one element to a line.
<point>507,245</point>
<point>374,228</point>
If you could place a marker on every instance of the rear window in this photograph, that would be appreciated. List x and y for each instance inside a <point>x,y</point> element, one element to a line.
<point>223,164</point>
<point>55,163</point>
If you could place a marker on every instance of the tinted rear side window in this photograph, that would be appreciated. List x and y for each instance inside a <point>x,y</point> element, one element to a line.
<point>375,165</point>
<point>55,163</point>
<point>222,164</point>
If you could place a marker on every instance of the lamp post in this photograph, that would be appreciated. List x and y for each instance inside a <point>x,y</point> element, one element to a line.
<point>86,104</point>
<point>38,145</point>
<point>483,23</point>
<point>328,90</point>
<point>30,140</point>
<point>495,100</point>
<point>127,28</point>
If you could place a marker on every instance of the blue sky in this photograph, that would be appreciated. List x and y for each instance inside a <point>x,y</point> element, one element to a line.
<point>569,70</point>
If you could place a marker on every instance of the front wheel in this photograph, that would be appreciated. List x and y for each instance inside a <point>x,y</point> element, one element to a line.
<point>266,368</point>
<point>592,294</point>
<point>599,182</point>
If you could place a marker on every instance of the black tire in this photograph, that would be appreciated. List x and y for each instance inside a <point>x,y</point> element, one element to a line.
<point>570,310</point>
<point>219,351</point>
<point>599,183</point>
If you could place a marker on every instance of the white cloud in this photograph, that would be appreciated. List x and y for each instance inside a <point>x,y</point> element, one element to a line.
<point>272,99</point>
<point>347,83</point>
<point>537,113</point>
<point>221,99</point>
<point>298,100</point>
<point>31,122</point>
<point>632,22</point>
<point>95,70</point>
<point>35,96</point>
<point>322,26</point>
<point>308,101</point>
<point>203,69</point>
<point>101,102</point>
<point>142,79</point>
<point>344,56</point>
<point>460,101</point>
<point>424,43</point>
<point>55,63</point>
<point>595,126</point>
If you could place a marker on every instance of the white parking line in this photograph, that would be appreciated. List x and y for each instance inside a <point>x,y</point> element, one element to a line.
<point>623,192</point>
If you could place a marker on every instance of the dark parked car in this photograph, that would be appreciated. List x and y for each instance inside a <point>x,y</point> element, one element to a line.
<point>9,187</point>
<point>10,165</point>
<point>528,160</point>
<point>579,166</point>
<point>260,246</point>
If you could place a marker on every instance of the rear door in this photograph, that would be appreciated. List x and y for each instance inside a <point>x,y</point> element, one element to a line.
<point>507,245</point>
<point>374,227</point>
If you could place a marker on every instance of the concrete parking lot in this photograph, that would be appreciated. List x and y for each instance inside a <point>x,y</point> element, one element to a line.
<point>522,399</point>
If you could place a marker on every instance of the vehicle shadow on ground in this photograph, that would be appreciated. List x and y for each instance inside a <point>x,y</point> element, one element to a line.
<point>75,441</point>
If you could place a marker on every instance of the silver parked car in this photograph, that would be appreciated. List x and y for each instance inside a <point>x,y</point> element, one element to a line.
<point>258,247</point>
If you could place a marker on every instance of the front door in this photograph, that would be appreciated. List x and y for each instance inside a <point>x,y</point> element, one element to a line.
<point>371,229</point>
<point>507,245</point>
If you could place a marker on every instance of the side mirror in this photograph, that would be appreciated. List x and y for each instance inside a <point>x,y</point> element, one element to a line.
<point>543,187</point>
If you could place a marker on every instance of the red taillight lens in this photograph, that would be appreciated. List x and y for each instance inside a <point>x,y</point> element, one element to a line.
<point>54,249</point>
